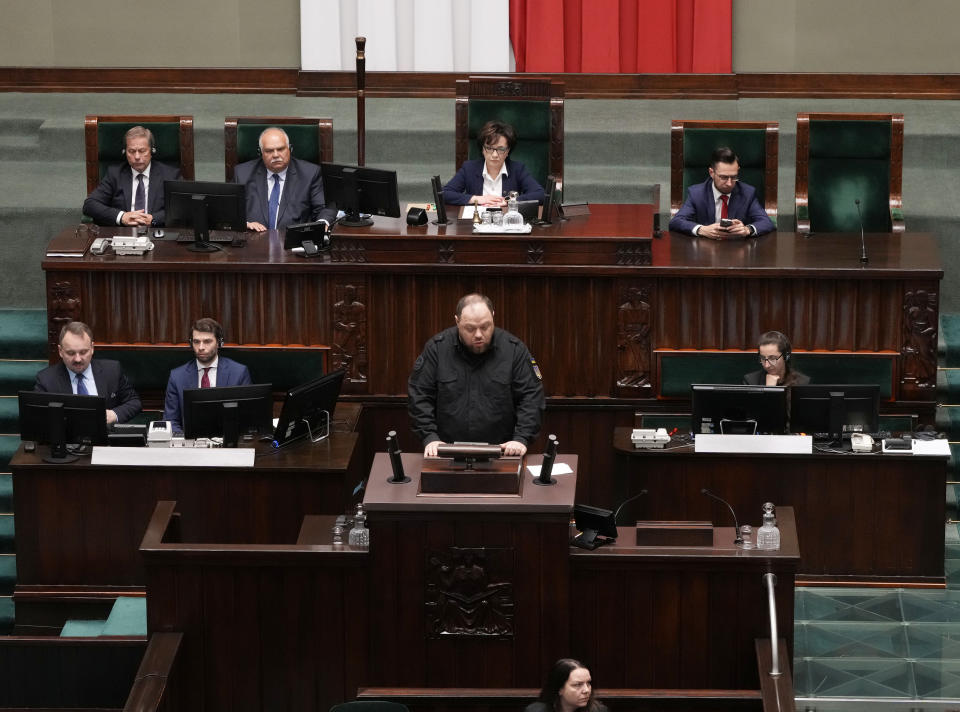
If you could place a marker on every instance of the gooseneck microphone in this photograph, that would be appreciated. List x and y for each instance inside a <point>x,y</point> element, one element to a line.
<point>737,539</point>
<point>623,504</point>
<point>863,242</point>
<point>549,456</point>
<point>396,462</point>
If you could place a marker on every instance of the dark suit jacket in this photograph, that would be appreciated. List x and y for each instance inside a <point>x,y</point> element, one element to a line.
<point>699,208</point>
<point>112,386</point>
<point>113,195</point>
<point>229,373</point>
<point>758,378</point>
<point>301,200</point>
<point>469,182</point>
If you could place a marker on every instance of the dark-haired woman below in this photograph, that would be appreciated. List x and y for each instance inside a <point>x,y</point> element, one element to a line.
<point>568,688</point>
<point>484,181</point>
<point>774,352</point>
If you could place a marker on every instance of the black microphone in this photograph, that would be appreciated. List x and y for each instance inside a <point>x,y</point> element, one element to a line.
<point>737,539</point>
<point>396,462</point>
<point>863,243</point>
<point>626,502</point>
<point>549,455</point>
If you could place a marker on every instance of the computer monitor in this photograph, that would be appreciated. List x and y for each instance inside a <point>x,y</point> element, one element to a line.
<point>308,410</point>
<point>59,419</point>
<point>830,411</point>
<point>739,410</point>
<point>358,189</point>
<point>205,206</point>
<point>228,412</point>
<point>596,526</point>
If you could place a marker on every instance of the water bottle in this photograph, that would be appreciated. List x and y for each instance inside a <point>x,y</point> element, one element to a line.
<point>359,535</point>
<point>513,220</point>
<point>768,536</point>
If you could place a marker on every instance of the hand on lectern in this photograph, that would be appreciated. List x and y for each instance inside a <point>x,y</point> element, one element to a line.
<point>513,448</point>
<point>431,449</point>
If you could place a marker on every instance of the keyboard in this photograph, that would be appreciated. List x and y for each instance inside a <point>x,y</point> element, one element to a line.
<point>224,236</point>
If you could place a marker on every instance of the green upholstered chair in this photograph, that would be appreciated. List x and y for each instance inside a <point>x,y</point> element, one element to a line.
<point>755,142</point>
<point>532,105</point>
<point>845,157</point>
<point>103,139</point>
<point>310,138</point>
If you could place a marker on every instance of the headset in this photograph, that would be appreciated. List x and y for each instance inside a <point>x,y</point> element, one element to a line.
<point>153,146</point>
<point>217,332</point>
<point>786,348</point>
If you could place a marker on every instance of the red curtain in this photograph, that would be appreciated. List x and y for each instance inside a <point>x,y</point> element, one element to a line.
<point>622,36</point>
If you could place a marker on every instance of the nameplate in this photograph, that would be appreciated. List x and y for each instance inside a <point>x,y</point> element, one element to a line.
<point>173,456</point>
<point>755,444</point>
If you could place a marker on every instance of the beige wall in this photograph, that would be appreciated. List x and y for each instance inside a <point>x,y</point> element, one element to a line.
<point>884,36</point>
<point>769,35</point>
<point>162,33</point>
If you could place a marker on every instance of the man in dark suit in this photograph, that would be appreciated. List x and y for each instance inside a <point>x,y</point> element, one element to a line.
<point>282,190</point>
<point>722,197</point>
<point>208,370</point>
<point>131,193</point>
<point>79,373</point>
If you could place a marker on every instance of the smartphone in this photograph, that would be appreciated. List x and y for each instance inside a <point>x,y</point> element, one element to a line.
<point>726,222</point>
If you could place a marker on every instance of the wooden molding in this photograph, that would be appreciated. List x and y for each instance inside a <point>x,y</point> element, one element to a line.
<point>213,80</point>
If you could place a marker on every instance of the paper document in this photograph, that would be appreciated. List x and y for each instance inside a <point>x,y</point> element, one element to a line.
<point>558,469</point>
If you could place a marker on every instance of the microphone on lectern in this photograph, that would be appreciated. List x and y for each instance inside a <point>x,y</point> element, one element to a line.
<point>396,462</point>
<point>863,243</point>
<point>549,456</point>
<point>737,539</point>
<point>625,502</point>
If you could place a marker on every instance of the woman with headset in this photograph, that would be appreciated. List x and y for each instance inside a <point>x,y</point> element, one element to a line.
<point>774,351</point>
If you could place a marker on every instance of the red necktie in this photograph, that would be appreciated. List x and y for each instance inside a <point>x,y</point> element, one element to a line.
<point>723,208</point>
<point>205,381</point>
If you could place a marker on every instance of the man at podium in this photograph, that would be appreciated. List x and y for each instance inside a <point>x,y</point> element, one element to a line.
<point>476,383</point>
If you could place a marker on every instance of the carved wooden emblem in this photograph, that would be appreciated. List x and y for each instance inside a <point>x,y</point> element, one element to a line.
<point>469,592</point>
<point>634,253</point>
<point>446,252</point>
<point>634,325</point>
<point>347,251</point>
<point>508,88</point>
<point>349,350</point>
<point>919,350</point>
<point>64,306</point>
<point>534,253</point>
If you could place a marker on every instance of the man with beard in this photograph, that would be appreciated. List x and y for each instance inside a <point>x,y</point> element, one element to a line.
<point>208,370</point>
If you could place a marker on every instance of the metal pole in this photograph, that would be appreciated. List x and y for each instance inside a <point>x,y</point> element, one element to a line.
<point>361,99</point>
<point>770,581</point>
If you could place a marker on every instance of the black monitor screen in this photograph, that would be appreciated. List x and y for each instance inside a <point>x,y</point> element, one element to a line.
<point>228,412</point>
<point>357,190</point>
<point>205,206</point>
<point>832,410</point>
<point>308,409</point>
<point>60,418</point>
<point>724,409</point>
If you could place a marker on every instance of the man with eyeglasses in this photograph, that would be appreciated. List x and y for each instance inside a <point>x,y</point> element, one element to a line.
<point>722,206</point>
<point>131,193</point>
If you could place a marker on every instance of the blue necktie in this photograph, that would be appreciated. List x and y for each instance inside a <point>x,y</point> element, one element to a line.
<point>139,199</point>
<point>81,385</point>
<point>274,201</point>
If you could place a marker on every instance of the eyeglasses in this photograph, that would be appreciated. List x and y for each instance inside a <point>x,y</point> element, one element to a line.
<point>770,359</point>
<point>727,179</point>
<point>497,150</point>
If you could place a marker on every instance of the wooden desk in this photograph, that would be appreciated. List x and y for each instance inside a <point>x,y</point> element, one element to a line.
<point>860,518</point>
<point>600,303</point>
<point>78,525</point>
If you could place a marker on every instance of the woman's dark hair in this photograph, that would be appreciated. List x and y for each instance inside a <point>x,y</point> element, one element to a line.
<point>557,678</point>
<point>783,345</point>
<point>494,129</point>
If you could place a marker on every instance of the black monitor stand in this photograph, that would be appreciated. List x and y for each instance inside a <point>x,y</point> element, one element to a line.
<point>351,191</point>
<point>201,230</point>
<point>231,424</point>
<point>57,435</point>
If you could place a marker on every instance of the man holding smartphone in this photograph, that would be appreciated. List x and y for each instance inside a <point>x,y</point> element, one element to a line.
<point>722,206</point>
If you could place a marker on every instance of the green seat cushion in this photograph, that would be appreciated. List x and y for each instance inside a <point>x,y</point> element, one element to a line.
<point>23,333</point>
<point>110,145</point>
<point>19,375</point>
<point>6,493</point>
<point>530,119</point>
<point>8,574</point>
<point>749,145</point>
<point>304,141</point>
<point>9,414</point>
<point>8,446</point>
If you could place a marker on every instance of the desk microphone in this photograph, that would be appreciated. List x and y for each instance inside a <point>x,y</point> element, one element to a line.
<point>549,456</point>
<point>626,502</point>
<point>863,243</point>
<point>737,539</point>
<point>396,462</point>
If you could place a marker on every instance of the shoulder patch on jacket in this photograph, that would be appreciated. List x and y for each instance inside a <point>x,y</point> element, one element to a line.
<point>536,369</point>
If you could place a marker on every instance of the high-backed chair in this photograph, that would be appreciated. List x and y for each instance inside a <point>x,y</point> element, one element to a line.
<point>842,158</point>
<point>532,105</point>
<point>755,142</point>
<point>103,139</point>
<point>310,138</point>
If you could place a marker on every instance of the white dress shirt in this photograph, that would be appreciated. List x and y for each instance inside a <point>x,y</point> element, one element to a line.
<point>212,373</point>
